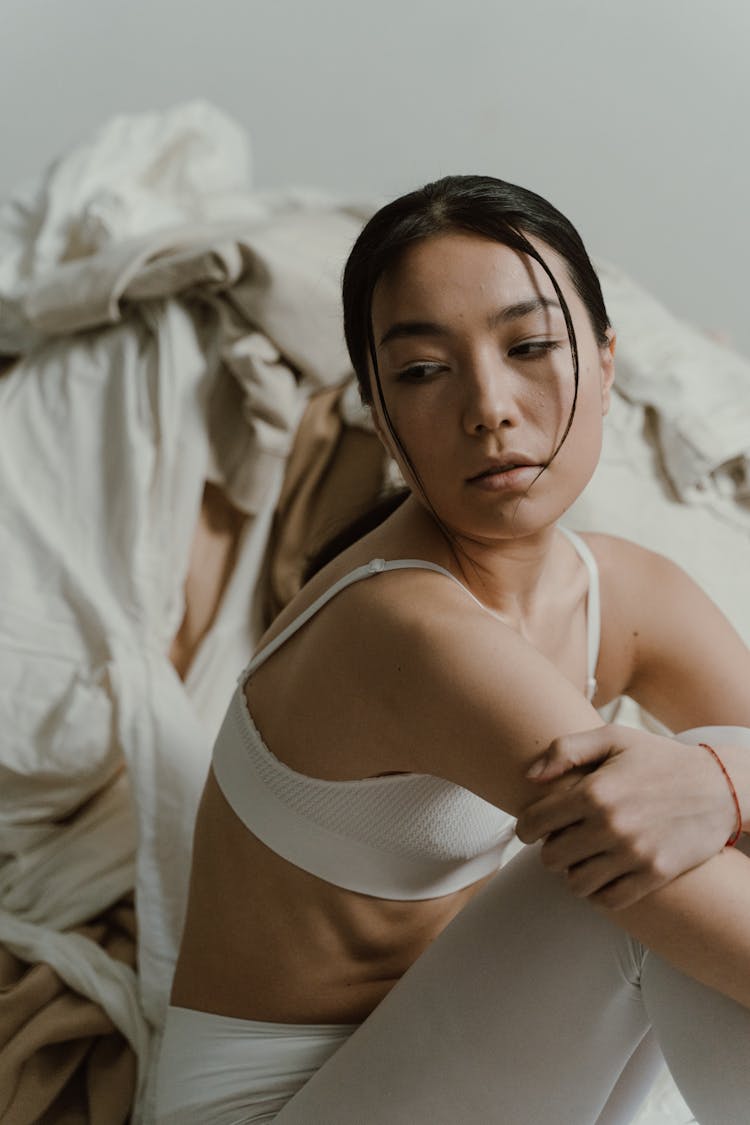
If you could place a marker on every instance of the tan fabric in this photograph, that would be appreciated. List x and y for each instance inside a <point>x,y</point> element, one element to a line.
<point>61,1060</point>
<point>335,472</point>
<point>213,556</point>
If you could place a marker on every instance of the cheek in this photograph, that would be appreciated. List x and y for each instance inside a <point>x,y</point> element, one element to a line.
<point>589,402</point>
<point>582,445</point>
<point>551,406</point>
<point>412,432</point>
<point>586,431</point>
<point>418,418</point>
<point>557,386</point>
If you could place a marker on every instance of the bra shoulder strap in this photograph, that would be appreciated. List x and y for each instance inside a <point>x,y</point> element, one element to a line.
<point>375,566</point>
<point>593,605</point>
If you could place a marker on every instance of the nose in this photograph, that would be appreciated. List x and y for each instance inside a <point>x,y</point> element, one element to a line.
<point>490,400</point>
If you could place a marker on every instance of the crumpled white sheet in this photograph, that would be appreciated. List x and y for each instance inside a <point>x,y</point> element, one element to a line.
<point>136,174</point>
<point>104,450</point>
<point>93,502</point>
<point>149,367</point>
<point>699,390</point>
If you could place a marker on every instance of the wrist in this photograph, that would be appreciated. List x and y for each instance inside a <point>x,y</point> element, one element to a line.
<point>736,761</point>
<point>732,744</point>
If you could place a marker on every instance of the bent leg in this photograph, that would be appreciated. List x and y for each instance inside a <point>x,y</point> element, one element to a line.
<point>640,1073</point>
<point>705,1040</point>
<point>526,1009</point>
<point>532,1008</point>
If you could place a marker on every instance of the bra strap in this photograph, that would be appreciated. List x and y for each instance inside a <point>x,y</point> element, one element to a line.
<point>593,606</point>
<point>375,566</point>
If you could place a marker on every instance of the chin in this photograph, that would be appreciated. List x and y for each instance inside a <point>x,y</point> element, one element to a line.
<point>513,523</point>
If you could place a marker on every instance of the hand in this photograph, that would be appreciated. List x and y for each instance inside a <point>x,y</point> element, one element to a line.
<point>647,809</point>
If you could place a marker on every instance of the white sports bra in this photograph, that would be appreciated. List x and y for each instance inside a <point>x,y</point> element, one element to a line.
<point>405,836</point>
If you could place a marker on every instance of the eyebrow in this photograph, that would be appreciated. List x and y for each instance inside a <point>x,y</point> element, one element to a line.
<point>404,329</point>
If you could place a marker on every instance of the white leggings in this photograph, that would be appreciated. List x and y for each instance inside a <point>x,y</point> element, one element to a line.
<point>531,1008</point>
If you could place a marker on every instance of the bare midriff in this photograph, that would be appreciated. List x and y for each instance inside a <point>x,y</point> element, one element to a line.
<point>297,949</point>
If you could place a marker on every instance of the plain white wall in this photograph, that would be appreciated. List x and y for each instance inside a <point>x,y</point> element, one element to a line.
<point>630,115</point>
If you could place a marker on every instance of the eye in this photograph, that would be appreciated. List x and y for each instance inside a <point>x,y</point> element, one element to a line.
<point>419,372</point>
<point>534,349</point>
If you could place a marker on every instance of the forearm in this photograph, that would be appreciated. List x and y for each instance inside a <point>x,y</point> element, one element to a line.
<point>635,836</point>
<point>732,745</point>
<point>700,922</point>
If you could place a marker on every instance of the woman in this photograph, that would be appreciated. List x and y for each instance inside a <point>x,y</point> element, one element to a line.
<point>366,778</point>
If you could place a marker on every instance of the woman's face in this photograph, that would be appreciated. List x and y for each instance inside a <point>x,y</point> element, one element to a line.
<point>477,376</point>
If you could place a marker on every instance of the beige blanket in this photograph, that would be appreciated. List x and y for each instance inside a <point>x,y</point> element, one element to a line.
<point>62,1060</point>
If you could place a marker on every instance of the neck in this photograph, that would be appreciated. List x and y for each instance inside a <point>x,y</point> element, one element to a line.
<point>507,575</point>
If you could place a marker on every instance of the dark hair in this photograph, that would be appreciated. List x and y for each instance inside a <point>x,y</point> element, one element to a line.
<point>482,205</point>
<point>356,528</point>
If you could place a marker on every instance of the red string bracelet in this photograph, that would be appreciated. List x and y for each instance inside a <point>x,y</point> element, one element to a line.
<point>735,837</point>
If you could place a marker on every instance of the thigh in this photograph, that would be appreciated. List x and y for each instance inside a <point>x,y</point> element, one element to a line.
<point>526,1009</point>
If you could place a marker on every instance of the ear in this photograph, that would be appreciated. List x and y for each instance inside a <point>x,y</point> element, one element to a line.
<point>607,369</point>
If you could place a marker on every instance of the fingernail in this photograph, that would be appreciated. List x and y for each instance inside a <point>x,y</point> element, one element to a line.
<point>538,768</point>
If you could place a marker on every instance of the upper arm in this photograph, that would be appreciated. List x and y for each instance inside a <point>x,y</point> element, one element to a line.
<point>690,666</point>
<point>470,700</point>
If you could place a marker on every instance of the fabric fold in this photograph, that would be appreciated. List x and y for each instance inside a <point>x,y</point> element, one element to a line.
<point>698,389</point>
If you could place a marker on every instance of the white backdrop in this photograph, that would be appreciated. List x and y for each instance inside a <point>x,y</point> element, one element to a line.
<point>630,115</point>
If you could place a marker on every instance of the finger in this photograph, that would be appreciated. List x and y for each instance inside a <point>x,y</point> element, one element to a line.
<point>552,813</point>
<point>592,875</point>
<point>585,748</point>
<point>626,890</point>
<point>574,845</point>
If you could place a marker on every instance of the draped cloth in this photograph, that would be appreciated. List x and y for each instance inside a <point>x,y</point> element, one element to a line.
<point>61,1057</point>
<point>163,341</point>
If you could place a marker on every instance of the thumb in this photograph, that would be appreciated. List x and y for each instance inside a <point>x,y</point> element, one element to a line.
<point>571,751</point>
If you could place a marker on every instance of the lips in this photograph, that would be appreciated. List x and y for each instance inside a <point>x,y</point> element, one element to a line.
<point>505,464</point>
<point>511,477</point>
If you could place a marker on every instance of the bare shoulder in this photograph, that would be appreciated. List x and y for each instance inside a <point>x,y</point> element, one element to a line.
<point>404,623</point>
<point>686,663</point>
<point>461,694</point>
<point>623,555</point>
<point>376,642</point>
<point>430,681</point>
<point>648,585</point>
<point>639,582</point>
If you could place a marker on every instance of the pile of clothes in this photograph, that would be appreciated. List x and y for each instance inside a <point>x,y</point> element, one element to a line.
<point>175,396</point>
